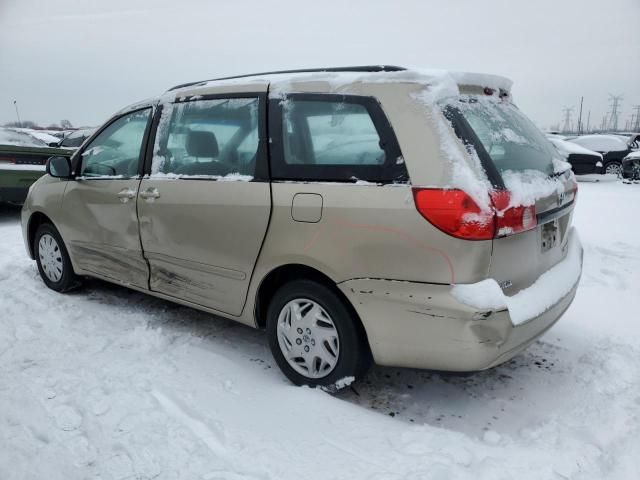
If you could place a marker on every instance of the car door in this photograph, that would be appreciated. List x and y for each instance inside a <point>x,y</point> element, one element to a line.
<point>101,226</point>
<point>205,205</point>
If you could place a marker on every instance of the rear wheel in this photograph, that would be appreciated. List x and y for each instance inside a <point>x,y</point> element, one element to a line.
<point>53,260</point>
<point>613,168</point>
<point>314,336</point>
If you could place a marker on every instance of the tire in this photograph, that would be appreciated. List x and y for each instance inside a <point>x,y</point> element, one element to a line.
<point>613,167</point>
<point>325,363</point>
<point>53,259</point>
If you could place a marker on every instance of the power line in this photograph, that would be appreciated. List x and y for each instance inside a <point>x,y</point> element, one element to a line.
<point>635,126</point>
<point>615,111</point>
<point>567,112</point>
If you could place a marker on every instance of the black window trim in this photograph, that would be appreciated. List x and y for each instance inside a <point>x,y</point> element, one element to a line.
<point>469,138</point>
<point>76,160</point>
<point>261,173</point>
<point>392,171</point>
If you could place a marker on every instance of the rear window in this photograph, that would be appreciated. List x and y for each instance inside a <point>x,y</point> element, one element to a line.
<point>500,134</point>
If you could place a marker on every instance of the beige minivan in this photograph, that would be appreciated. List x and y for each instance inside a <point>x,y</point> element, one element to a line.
<point>411,218</point>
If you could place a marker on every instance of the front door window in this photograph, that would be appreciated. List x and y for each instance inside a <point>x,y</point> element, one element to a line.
<point>115,152</point>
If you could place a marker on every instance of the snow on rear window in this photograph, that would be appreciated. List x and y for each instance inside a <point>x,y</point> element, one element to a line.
<point>505,131</point>
<point>503,134</point>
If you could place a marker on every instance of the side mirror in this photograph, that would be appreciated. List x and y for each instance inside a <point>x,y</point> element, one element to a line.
<point>59,167</point>
<point>54,144</point>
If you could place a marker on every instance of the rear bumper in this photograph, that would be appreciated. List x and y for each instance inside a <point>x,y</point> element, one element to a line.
<point>420,325</point>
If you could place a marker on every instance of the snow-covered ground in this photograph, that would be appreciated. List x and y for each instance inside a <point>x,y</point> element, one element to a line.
<point>105,383</point>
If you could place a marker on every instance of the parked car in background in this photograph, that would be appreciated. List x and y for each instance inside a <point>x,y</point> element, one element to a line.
<point>74,139</point>
<point>43,136</point>
<point>351,213</point>
<point>612,147</point>
<point>631,166</point>
<point>22,162</point>
<point>583,161</point>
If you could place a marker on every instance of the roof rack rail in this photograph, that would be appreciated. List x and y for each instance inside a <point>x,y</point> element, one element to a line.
<point>360,68</point>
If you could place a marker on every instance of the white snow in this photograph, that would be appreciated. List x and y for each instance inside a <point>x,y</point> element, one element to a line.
<point>529,185</point>
<point>438,80</point>
<point>526,304</point>
<point>40,135</point>
<point>22,167</point>
<point>11,137</point>
<point>230,177</point>
<point>601,143</point>
<point>465,167</point>
<point>566,147</point>
<point>112,384</point>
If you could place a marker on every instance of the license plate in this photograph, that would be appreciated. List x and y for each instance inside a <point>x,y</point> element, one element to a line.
<point>550,236</point>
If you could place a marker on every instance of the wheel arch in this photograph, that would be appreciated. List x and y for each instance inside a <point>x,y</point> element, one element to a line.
<point>282,274</point>
<point>35,220</point>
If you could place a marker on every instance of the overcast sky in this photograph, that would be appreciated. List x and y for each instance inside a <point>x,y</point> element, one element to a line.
<point>84,59</point>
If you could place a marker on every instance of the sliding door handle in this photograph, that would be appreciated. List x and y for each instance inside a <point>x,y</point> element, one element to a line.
<point>150,193</point>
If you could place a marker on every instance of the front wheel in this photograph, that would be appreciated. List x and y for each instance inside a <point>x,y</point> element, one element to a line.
<point>613,168</point>
<point>53,259</point>
<point>314,336</point>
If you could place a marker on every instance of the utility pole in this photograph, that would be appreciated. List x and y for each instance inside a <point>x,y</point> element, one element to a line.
<point>567,111</point>
<point>603,125</point>
<point>588,120</point>
<point>615,111</point>
<point>15,104</point>
<point>580,116</point>
<point>636,126</point>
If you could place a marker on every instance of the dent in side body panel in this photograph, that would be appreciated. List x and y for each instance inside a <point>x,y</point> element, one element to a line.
<point>202,238</point>
<point>423,326</point>
<point>101,230</point>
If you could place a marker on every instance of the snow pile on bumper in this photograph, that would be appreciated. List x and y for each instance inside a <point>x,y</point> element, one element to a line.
<point>546,291</point>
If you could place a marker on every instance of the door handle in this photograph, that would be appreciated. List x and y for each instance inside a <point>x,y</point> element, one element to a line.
<point>126,194</point>
<point>150,193</point>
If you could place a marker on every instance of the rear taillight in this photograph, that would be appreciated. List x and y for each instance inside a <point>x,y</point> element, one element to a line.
<point>457,214</point>
<point>511,220</point>
<point>454,212</point>
<point>7,160</point>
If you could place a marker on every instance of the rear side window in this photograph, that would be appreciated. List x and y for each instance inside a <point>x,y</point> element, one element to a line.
<point>342,138</point>
<point>207,139</point>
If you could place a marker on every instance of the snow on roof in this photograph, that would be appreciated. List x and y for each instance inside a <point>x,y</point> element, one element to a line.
<point>601,143</point>
<point>444,81</point>
<point>40,135</point>
<point>13,137</point>
<point>568,147</point>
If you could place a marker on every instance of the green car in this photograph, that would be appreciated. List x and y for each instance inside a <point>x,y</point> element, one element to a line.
<point>22,162</point>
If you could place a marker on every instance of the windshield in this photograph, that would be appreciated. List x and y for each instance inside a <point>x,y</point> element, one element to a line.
<point>500,133</point>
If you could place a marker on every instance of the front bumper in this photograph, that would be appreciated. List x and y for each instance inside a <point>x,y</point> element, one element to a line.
<point>421,325</point>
